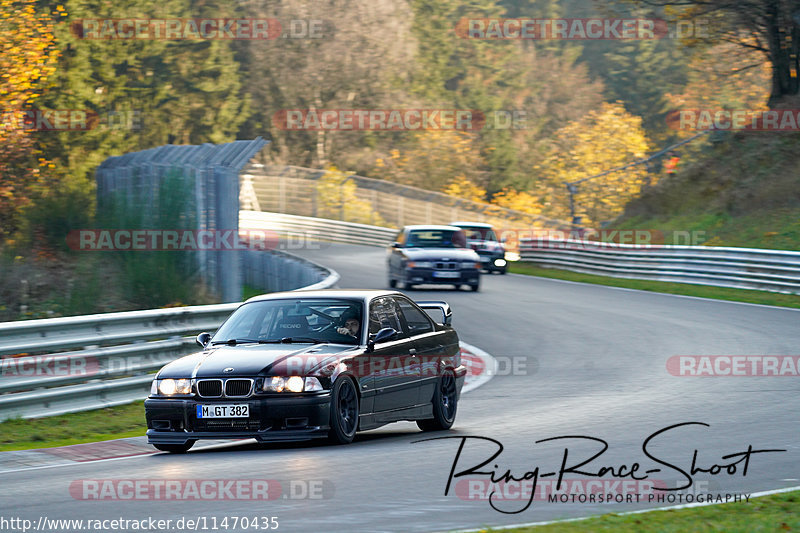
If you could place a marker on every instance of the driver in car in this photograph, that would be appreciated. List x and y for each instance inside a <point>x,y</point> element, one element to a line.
<point>350,324</point>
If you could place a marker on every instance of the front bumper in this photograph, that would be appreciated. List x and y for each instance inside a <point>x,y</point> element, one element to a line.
<point>488,260</point>
<point>174,420</point>
<point>429,276</point>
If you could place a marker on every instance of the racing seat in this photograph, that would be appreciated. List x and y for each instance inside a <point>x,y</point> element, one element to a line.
<point>292,326</point>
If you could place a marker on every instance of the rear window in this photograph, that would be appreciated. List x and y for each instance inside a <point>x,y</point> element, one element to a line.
<point>436,239</point>
<point>480,234</point>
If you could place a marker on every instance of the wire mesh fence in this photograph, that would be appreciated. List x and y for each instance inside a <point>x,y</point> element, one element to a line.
<point>300,191</point>
<point>132,187</point>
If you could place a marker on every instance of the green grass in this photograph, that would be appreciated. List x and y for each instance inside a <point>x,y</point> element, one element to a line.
<point>777,229</point>
<point>778,512</point>
<point>76,428</point>
<point>249,292</point>
<point>743,192</point>
<point>700,291</point>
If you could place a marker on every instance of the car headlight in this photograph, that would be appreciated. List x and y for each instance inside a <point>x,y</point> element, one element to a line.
<point>274,384</point>
<point>291,384</point>
<point>171,387</point>
<point>419,264</point>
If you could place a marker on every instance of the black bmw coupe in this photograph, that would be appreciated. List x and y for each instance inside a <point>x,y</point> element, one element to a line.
<point>311,364</point>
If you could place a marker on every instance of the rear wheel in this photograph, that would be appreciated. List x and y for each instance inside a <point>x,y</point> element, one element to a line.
<point>344,411</point>
<point>445,404</point>
<point>174,448</point>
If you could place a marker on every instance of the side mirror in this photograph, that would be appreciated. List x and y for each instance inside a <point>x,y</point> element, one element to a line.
<point>386,334</point>
<point>203,339</point>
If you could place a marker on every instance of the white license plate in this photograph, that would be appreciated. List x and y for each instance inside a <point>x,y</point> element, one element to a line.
<point>448,275</point>
<point>235,410</point>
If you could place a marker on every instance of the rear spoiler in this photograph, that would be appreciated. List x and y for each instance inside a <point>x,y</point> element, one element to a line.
<point>442,307</point>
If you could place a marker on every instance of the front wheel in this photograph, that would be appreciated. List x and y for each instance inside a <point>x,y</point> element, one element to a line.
<point>174,448</point>
<point>445,404</point>
<point>344,412</point>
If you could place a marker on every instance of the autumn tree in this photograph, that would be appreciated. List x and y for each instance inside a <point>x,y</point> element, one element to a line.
<point>337,199</point>
<point>146,92</point>
<point>771,27</point>
<point>349,54</point>
<point>27,60</point>
<point>432,159</point>
<point>740,77</point>
<point>604,139</point>
<point>461,187</point>
<point>523,201</point>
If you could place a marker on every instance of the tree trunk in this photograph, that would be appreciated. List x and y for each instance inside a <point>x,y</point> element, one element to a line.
<point>783,33</point>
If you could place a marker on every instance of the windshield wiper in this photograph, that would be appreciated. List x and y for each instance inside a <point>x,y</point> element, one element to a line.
<point>284,340</point>
<point>289,340</point>
<point>234,342</point>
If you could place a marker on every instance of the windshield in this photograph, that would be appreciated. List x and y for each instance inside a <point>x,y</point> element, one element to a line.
<point>480,234</point>
<point>436,239</point>
<point>302,320</point>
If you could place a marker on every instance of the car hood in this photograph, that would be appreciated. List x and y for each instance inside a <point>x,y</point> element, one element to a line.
<point>257,360</point>
<point>439,254</point>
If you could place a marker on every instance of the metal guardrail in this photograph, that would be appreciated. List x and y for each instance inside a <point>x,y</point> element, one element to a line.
<point>120,352</point>
<point>321,229</point>
<point>740,268</point>
<point>157,335</point>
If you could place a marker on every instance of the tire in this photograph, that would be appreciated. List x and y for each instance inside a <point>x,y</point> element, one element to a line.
<point>392,282</point>
<point>475,288</point>
<point>344,411</point>
<point>445,404</point>
<point>174,448</point>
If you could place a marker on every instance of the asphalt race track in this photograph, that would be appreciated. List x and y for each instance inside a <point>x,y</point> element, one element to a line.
<point>590,361</point>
